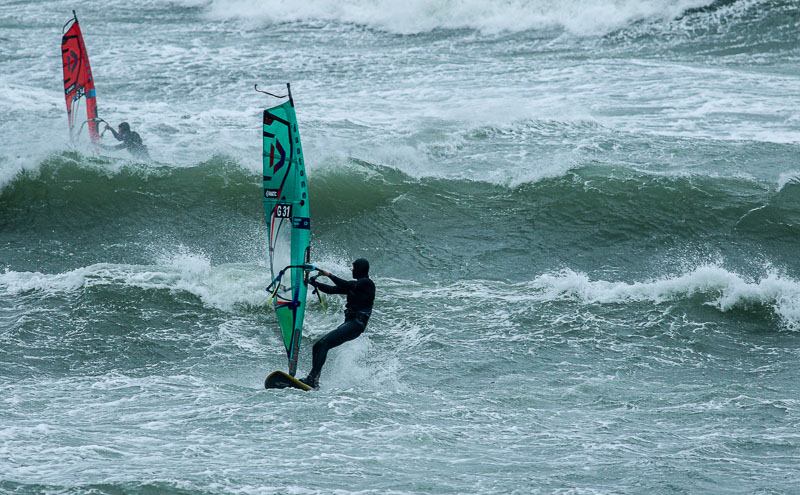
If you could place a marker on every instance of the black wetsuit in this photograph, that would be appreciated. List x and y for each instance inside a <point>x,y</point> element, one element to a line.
<point>360,297</point>
<point>132,142</point>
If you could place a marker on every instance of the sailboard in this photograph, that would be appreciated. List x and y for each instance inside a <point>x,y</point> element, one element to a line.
<point>78,82</point>
<point>279,379</point>
<point>287,215</point>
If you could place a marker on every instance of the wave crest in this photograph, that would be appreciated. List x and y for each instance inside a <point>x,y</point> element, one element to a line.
<point>726,291</point>
<point>224,287</point>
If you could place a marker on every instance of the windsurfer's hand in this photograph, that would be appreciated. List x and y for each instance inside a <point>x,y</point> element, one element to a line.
<point>324,273</point>
<point>107,127</point>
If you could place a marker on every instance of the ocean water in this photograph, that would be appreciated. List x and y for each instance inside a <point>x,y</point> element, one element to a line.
<point>583,220</point>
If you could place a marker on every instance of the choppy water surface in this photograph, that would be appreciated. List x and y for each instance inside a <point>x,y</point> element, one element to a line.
<point>583,220</point>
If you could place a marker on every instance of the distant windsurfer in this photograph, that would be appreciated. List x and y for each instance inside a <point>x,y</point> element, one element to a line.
<point>131,141</point>
<point>360,297</point>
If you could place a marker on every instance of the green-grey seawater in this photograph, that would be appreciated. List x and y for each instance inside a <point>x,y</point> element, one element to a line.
<point>583,221</point>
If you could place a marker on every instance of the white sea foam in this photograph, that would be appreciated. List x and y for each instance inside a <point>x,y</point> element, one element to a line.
<point>791,177</point>
<point>23,105</point>
<point>711,284</point>
<point>218,286</point>
<point>11,169</point>
<point>723,289</point>
<point>580,17</point>
<point>222,287</point>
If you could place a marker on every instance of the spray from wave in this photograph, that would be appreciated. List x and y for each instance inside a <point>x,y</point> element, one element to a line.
<point>578,17</point>
<point>723,290</point>
<point>224,287</point>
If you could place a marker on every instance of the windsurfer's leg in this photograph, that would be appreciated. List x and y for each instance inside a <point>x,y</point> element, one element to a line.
<point>345,332</point>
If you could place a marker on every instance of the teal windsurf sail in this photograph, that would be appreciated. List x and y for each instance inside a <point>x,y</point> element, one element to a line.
<point>287,215</point>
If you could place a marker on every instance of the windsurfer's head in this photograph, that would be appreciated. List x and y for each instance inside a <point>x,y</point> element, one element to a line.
<point>360,268</point>
<point>124,128</point>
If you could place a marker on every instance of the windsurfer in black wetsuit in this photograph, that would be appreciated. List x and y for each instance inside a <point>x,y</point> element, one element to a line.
<point>360,297</point>
<point>131,141</point>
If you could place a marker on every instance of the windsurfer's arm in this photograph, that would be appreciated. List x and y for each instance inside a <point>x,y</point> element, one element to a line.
<point>329,289</point>
<point>115,133</point>
<point>342,286</point>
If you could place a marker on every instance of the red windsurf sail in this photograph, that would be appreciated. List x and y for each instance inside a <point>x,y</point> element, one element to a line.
<point>78,80</point>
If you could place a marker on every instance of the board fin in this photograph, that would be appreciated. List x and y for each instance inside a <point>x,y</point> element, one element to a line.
<point>280,379</point>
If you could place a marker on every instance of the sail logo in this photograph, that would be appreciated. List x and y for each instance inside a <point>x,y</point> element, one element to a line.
<point>72,61</point>
<point>276,166</point>
<point>301,223</point>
